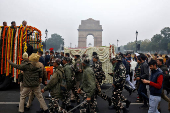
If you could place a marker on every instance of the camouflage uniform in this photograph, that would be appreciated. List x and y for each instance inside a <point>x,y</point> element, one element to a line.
<point>98,71</point>
<point>119,81</point>
<point>55,90</point>
<point>89,86</point>
<point>99,75</point>
<point>78,77</point>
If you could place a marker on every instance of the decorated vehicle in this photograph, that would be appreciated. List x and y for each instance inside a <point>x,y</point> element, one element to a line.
<point>104,53</point>
<point>14,41</point>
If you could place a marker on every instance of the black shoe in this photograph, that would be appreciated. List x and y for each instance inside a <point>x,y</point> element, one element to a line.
<point>130,92</point>
<point>125,110</point>
<point>128,103</point>
<point>133,90</point>
<point>40,111</point>
<point>159,110</point>
<point>112,107</point>
<point>144,107</point>
<point>46,111</point>
<point>110,102</point>
<point>26,109</point>
<point>47,97</point>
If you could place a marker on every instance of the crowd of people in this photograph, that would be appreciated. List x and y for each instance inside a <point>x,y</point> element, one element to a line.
<point>80,81</point>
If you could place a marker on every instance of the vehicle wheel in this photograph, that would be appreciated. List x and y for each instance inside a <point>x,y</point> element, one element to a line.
<point>5,82</point>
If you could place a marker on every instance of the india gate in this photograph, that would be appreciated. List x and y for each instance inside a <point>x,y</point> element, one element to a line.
<point>90,27</point>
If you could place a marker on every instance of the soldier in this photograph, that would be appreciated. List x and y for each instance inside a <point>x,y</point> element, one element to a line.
<point>88,86</point>
<point>78,68</point>
<point>99,75</point>
<point>118,83</point>
<point>32,76</point>
<point>68,73</point>
<point>113,61</point>
<point>97,68</point>
<point>55,88</point>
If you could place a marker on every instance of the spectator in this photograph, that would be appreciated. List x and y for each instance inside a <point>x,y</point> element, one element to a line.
<point>144,74</point>
<point>41,59</point>
<point>47,58</point>
<point>155,86</point>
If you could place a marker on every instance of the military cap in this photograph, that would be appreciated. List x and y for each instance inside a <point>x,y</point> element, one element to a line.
<point>96,57</point>
<point>86,61</point>
<point>118,57</point>
<point>58,61</point>
<point>94,53</point>
<point>66,58</point>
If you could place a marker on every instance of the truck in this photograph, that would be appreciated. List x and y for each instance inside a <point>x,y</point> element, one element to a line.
<point>14,41</point>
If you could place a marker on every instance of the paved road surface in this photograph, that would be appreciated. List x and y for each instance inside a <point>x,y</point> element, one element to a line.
<point>9,100</point>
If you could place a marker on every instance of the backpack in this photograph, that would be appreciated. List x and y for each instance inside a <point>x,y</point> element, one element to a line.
<point>63,85</point>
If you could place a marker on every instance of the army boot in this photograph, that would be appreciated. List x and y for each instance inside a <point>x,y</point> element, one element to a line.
<point>127,103</point>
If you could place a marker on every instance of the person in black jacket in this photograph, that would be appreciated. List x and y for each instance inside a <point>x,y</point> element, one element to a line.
<point>41,59</point>
<point>144,74</point>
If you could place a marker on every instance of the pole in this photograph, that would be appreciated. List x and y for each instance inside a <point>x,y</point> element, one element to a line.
<point>136,40</point>
<point>117,45</point>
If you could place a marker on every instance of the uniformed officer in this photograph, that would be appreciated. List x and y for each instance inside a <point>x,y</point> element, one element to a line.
<point>99,75</point>
<point>118,83</point>
<point>55,88</point>
<point>32,76</point>
<point>78,68</point>
<point>88,86</point>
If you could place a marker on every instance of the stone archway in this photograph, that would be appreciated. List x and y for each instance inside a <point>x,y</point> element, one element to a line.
<point>90,27</point>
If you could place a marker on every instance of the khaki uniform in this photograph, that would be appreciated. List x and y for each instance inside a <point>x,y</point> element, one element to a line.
<point>31,82</point>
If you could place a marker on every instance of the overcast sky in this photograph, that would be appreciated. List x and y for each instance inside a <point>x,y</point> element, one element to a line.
<point>119,18</point>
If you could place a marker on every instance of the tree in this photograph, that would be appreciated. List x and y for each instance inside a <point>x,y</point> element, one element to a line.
<point>166,38</point>
<point>54,42</point>
<point>156,42</point>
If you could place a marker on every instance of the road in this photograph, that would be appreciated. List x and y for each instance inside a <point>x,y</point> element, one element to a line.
<point>9,100</point>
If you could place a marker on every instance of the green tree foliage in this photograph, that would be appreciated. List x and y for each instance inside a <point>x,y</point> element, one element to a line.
<point>159,42</point>
<point>54,42</point>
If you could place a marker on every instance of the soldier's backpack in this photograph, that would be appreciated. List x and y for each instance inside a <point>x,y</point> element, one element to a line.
<point>63,85</point>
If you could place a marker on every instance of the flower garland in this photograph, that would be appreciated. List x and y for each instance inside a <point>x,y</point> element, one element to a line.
<point>3,36</point>
<point>104,56</point>
<point>8,33</point>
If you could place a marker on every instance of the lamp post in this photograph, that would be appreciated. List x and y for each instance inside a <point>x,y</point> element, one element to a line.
<point>117,45</point>
<point>136,40</point>
<point>46,32</point>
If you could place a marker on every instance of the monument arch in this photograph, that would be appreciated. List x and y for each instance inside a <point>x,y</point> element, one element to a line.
<point>90,27</point>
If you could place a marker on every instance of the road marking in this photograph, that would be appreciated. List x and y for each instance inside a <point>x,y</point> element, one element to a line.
<point>18,103</point>
<point>134,103</point>
<point>9,102</point>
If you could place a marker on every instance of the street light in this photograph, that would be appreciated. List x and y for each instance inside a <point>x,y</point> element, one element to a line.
<point>136,40</point>
<point>46,32</point>
<point>117,45</point>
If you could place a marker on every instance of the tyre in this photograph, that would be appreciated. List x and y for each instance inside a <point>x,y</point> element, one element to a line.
<point>5,82</point>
